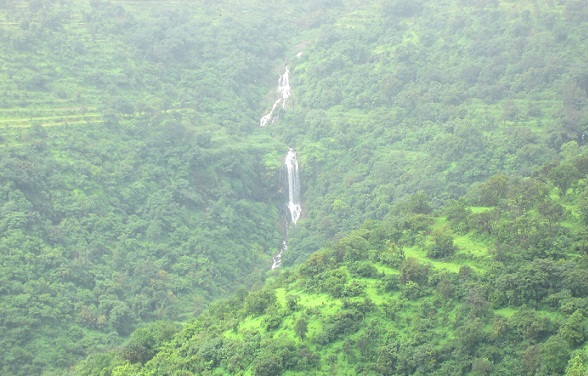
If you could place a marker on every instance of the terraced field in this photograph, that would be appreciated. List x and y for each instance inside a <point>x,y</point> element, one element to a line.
<point>45,90</point>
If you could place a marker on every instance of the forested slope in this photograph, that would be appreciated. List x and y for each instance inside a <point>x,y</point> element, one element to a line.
<point>498,289</point>
<point>450,137</point>
<point>394,97</point>
<point>134,185</point>
<point>442,151</point>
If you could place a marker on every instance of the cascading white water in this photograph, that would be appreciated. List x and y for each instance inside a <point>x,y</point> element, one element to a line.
<point>292,176</point>
<point>292,180</point>
<point>291,164</point>
<point>277,260</point>
<point>284,90</point>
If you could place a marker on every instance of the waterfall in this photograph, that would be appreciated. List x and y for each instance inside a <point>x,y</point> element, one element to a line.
<point>293,203</point>
<point>284,91</point>
<point>292,174</point>
<point>277,260</point>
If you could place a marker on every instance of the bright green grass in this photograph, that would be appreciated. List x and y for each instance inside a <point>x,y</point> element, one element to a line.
<point>340,115</point>
<point>326,303</point>
<point>466,245</point>
<point>358,20</point>
<point>480,209</point>
<point>385,269</point>
<point>552,316</point>
<point>281,296</point>
<point>506,312</point>
<point>50,120</point>
<point>252,323</point>
<point>439,222</point>
<point>371,290</point>
<point>421,255</point>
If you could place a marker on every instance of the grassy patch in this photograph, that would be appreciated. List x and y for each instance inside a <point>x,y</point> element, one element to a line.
<point>468,246</point>
<point>421,255</point>
<point>481,209</point>
<point>506,312</point>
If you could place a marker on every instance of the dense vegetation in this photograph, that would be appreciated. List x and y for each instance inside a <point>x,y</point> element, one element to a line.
<point>444,164</point>
<point>499,289</point>
<point>400,96</point>
<point>134,192</point>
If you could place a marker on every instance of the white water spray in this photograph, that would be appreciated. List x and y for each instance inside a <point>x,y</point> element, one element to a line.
<point>277,260</point>
<point>291,164</point>
<point>292,177</point>
<point>292,180</point>
<point>284,90</point>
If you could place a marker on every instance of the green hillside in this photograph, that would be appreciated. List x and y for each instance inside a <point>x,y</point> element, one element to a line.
<point>443,157</point>
<point>418,293</point>
<point>394,97</point>
<point>132,185</point>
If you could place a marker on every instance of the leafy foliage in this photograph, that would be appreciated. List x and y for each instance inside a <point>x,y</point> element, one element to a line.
<point>126,201</point>
<point>444,163</point>
<point>467,313</point>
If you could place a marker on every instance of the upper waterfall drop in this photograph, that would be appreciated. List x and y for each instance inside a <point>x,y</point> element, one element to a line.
<point>284,90</point>
<point>293,179</point>
<point>284,87</point>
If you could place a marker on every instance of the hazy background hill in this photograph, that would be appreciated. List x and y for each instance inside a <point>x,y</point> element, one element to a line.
<point>137,186</point>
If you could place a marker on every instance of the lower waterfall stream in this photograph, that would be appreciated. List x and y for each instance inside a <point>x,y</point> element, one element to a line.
<point>291,180</point>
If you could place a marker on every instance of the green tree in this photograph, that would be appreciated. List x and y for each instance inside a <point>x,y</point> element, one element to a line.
<point>573,331</point>
<point>577,366</point>
<point>583,208</point>
<point>145,342</point>
<point>352,248</point>
<point>552,211</point>
<point>412,290</point>
<point>458,213</point>
<point>293,302</point>
<point>98,364</point>
<point>554,356</point>
<point>412,270</point>
<point>443,245</point>
<point>419,203</point>
<point>490,192</point>
<point>126,369</point>
<point>481,367</point>
<point>258,301</point>
<point>470,336</point>
<point>301,328</point>
<point>402,8</point>
<point>563,176</point>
